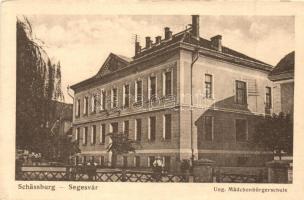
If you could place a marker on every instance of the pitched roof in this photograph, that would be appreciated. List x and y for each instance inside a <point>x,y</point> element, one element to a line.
<point>286,64</point>
<point>184,37</point>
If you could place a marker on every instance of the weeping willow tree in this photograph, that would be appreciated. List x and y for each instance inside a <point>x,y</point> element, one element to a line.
<point>38,86</point>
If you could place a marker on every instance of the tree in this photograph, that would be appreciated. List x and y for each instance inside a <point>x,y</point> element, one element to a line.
<point>275,133</point>
<point>38,85</point>
<point>120,144</point>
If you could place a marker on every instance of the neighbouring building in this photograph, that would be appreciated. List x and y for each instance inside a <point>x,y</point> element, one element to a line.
<point>180,96</point>
<point>283,77</point>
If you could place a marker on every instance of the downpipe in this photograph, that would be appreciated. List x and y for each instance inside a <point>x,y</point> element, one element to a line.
<point>195,57</point>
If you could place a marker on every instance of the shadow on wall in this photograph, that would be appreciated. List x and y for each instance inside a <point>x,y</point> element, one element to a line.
<point>217,130</point>
<point>230,103</point>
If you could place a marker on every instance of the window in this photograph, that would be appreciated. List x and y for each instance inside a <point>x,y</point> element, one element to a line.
<point>138,91</point>
<point>103,98</point>
<point>85,105</point>
<point>93,134</point>
<point>77,134</point>
<point>84,159</point>
<point>101,160</point>
<point>241,129</point>
<point>152,87</point>
<point>138,129</point>
<point>85,136</point>
<point>208,128</point>
<point>126,128</point>
<point>77,108</point>
<point>167,127</point>
<point>114,127</point>
<point>208,86</point>
<point>241,93</point>
<point>152,128</point>
<point>93,103</point>
<point>167,162</point>
<point>268,97</point>
<point>151,159</point>
<point>77,160</point>
<point>125,161</point>
<point>136,161</point>
<point>114,98</point>
<point>168,83</point>
<point>126,97</point>
<point>102,135</point>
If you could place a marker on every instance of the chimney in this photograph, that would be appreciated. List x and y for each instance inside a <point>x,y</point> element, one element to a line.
<point>148,42</point>
<point>168,33</point>
<point>137,48</point>
<point>216,42</point>
<point>195,26</point>
<point>157,40</point>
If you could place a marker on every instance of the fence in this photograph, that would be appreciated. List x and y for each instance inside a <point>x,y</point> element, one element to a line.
<point>255,175</point>
<point>69,173</point>
<point>72,174</point>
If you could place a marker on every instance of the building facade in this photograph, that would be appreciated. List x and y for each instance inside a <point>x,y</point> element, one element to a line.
<point>180,97</point>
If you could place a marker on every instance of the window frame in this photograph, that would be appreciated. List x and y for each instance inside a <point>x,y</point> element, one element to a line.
<point>150,162</point>
<point>93,135</point>
<point>93,103</point>
<point>112,97</point>
<point>268,106</point>
<point>149,87</point>
<point>85,136</point>
<point>136,91</point>
<point>77,107</point>
<point>102,134</point>
<point>170,70</point>
<point>126,131</point>
<point>103,101</point>
<point>246,130</point>
<point>245,92</point>
<point>101,160</point>
<point>211,83</point>
<point>136,161</point>
<point>136,130</point>
<point>149,129</point>
<point>124,96</point>
<point>77,135</point>
<point>166,158</point>
<point>165,127</point>
<point>212,128</point>
<point>85,105</point>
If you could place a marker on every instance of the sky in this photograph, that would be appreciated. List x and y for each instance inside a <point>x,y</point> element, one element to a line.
<point>82,42</point>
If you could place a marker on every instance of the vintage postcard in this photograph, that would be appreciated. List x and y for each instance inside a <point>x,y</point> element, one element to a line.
<point>112,100</point>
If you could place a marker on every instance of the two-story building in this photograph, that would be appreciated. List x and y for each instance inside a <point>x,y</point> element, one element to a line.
<point>181,97</point>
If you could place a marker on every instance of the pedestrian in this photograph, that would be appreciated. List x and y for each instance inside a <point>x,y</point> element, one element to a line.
<point>157,168</point>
